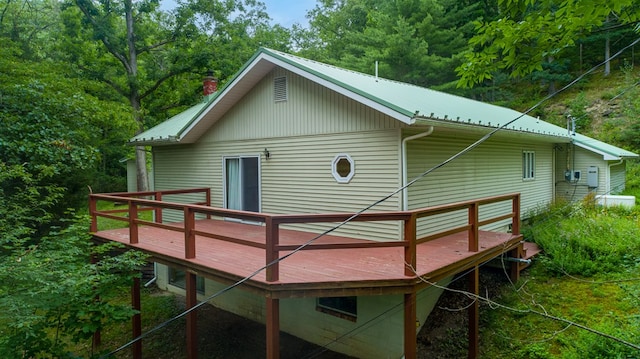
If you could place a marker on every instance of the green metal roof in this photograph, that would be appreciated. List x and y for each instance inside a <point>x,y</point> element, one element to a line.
<point>405,102</point>
<point>168,130</point>
<point>608,152</point>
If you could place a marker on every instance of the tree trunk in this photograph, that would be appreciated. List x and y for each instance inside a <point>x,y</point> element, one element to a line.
<point>142,177</point>
<point>607,55</point>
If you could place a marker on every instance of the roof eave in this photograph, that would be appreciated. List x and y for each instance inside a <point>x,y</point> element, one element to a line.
<point>449,123</point>
<point>606,156</point>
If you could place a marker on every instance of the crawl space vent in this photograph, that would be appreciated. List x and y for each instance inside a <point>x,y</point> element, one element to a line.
<point>280,89</point>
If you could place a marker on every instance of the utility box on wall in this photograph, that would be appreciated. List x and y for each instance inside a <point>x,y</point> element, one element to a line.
<point>592,176</point>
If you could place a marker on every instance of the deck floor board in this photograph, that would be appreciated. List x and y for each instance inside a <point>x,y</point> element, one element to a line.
<point>330,268</point>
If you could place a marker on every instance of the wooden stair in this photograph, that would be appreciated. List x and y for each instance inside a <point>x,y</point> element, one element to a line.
<point>530,250</point>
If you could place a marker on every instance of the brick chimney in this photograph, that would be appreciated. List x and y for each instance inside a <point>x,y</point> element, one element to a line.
<point>209,84</point>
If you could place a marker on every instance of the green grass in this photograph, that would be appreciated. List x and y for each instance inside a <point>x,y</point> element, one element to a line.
<point>157,306</point>
<point>587,239</point>
<point>607,303</point>
<point>108,223</point>
<point>588,274</point>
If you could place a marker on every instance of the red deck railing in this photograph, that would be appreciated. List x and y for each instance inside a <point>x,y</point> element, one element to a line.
<point>153,201</point>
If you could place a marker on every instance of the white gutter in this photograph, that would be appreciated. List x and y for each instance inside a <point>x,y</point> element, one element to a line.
<point>608,175</point>
<point>405,194</point>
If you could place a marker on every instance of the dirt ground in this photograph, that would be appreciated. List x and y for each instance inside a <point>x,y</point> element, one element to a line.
<point>226,335</point>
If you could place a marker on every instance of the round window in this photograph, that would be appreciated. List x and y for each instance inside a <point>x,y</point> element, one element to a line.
<point>343,168</point>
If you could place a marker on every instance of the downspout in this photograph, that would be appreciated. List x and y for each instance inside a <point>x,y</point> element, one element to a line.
<point>405,194</point>
<point>155,275</point>
<point>608,175</point>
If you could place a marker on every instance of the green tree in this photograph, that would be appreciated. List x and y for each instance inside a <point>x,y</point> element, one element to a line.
<point>52,295</point>
<point>415,41</point>
<point>31,25</point>
<point>52,134</point>
<point>145,55</point>
<point>531,33</point>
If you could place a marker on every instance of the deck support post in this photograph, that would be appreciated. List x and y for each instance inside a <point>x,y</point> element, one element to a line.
<point>136,322</point>
<point>474,313</point>
<point>273,328</point>
<point>97,337</point>
<point>410,327</point>
<point>192,330</point>
<point>515,267</point>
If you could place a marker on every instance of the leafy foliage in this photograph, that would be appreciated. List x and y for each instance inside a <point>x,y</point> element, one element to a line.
<point>414,41</point>
<point>531,33</point>
<point>51,294</point>
<point>586,239</point>
<point>53,139</point>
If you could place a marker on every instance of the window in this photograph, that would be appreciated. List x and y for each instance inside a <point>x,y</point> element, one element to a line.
<point>176,278</point>
<point>242,183</point>
<point>528,165</point>
<point>343,307</point>
<point>343,168</point>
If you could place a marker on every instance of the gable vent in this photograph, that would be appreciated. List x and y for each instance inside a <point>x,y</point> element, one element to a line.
<point>280,89</point>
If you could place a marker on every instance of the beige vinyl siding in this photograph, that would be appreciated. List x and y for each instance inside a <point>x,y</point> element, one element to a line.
<point>491,169</point>
<point>583,159</point>
<point>303,136</point>
<point>297,178</point>
<point>311,109</point>
<point>617,177</point>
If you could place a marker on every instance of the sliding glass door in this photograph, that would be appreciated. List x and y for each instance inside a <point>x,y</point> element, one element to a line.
<point>242,183</point>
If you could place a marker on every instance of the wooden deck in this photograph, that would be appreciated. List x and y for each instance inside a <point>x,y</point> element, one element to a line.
<point>281,263</point>
<point>350,271</point>
<point>229,251</point>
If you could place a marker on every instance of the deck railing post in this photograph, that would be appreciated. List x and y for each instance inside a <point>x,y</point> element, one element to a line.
<point>410,247</point>
<point>515,223</point>
<point>158,210</point>
<point>473,227</point>
<point>133,225</point>
<point>92,211</point>
<point>272,252</point>
<point>207,194</point>
<point>189,236</point>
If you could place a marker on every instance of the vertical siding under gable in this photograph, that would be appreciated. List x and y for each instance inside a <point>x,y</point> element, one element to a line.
<point>310,109</point>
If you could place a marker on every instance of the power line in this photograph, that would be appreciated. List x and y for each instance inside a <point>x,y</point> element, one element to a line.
<point>493,304</point>
<point>358,213</point>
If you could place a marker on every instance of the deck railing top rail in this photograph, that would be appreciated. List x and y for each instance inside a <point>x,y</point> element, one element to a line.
<point>153,201</point>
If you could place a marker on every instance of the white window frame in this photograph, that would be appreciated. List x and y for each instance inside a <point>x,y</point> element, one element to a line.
<point>334,168</point>
<point>528,165</point>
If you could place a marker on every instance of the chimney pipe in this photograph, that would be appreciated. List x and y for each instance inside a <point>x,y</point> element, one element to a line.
<point>209,84</point>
